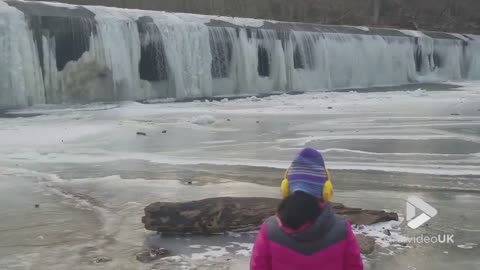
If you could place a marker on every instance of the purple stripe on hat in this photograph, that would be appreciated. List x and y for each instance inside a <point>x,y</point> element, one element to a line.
<point>310,153</point>
<point>315,171</point>
<point>311,177</point>
<point>307,173</point>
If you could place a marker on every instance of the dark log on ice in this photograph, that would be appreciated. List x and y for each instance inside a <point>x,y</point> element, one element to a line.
<point>218,215</point>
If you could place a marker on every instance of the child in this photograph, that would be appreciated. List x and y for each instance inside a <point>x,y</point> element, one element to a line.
<point>305,234</point>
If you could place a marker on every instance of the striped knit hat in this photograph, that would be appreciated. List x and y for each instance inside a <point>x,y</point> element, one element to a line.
<point>307,173</point>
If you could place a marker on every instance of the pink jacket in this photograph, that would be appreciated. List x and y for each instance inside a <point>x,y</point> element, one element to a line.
<point>327,244</point>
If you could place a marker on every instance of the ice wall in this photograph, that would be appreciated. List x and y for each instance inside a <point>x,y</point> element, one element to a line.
<point>20,76</point>
<point>56,53</point>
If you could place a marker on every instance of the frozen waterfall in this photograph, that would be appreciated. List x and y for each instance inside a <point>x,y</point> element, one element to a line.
<point>56,53</point>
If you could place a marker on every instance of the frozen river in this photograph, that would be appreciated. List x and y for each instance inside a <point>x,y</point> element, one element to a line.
<point>91,174</point>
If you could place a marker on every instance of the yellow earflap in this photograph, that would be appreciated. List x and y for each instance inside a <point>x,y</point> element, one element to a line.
<point>284,186</point>
<point>327,188</point>
<point>327,193</point>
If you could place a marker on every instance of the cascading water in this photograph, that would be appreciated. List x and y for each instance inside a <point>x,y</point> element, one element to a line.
<point>187,49</point>
<point>472,57</point>
<point>75,54</point>
<point>120,41</point>
<point>20,76</point>
<point>330,60</point>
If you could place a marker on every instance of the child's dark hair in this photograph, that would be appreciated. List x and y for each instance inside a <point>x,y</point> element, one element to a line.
<point>298,209</point>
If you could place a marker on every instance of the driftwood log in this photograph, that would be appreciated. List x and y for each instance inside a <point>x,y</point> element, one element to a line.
<point>218,215</point>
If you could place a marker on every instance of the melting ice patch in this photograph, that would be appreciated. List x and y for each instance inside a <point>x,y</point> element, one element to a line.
<point>386,234</point>
<point>363,28</point>
<point>212,252</point>
<point>468,246</point>
<point>203,120</point>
